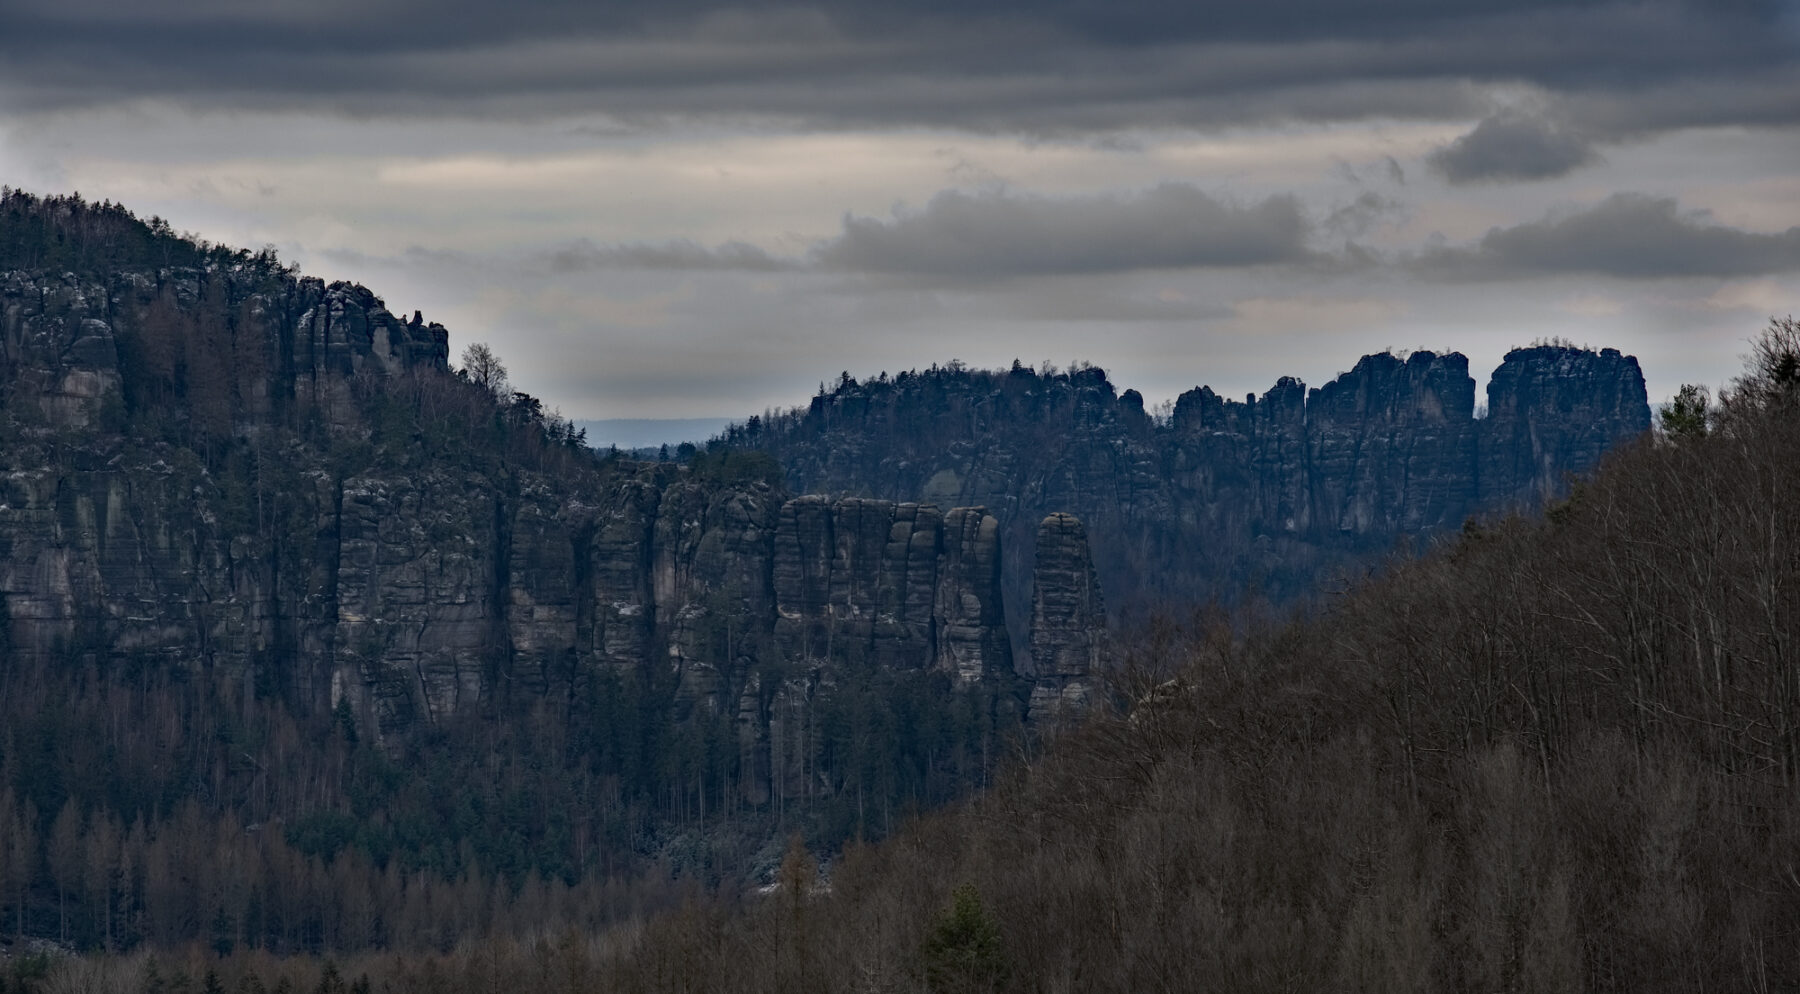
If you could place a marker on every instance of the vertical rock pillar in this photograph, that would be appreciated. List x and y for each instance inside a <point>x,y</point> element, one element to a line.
<point>969,618</point>
<point>1068,621</point>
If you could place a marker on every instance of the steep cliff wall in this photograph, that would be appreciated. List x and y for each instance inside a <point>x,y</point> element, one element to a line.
<point>233,471</point>
<point>1553,411</point>
<point>1271,495</point>
<point>222,467</point>
<point>894,585</point>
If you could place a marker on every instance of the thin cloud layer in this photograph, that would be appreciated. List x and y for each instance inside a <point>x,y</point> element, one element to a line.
<point>1512,145</point>
<point>971,237</point>
<point>1629,236</point>
<point>964,238</point>
<point>999,234</point>
<point>680,254</point>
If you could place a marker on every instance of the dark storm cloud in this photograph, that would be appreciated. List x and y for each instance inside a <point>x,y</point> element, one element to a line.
<point>1512,145</point>
<point>1076,64</point>
<point>678,254</point>
<point>997,235</point>
<point>1628,235</point>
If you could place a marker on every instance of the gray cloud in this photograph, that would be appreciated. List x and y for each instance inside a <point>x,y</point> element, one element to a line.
<point>962,237</point>
<point>998,234</point>
<point>678,254</point>
<point>1012,64</point>
<point>1364,214</point>
<point>1627,235</point>
<point>1750,95</point>
<point>1512,145</point>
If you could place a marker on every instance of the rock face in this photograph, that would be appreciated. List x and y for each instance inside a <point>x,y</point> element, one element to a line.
<point>1272,495</point>
<point>1555,410</point>
<point>892,585</point>
<point>1068,621</point>
<point>970,611</point>
<point>1391,446</point>
<point>277,534</point>
<point>109,545</point>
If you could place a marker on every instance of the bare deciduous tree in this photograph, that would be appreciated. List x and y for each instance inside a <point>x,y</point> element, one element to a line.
<point>483,368</point>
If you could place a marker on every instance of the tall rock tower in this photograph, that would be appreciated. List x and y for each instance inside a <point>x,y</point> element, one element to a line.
<point>1068,621</point>
<point>1553,410</point>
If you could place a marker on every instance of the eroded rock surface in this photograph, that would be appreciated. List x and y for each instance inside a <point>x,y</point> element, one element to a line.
<point>279,533</point>
<point>1267,496</point>
<point>894,585</point>
<point>1068,622</point>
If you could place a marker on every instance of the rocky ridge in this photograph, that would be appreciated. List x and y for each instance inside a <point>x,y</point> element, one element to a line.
<point>221,467</point>
<point>255,522</point>
<point>1272,495</point>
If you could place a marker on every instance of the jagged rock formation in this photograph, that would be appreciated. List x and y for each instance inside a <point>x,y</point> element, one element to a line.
<point>111,545</point>
<point>260,520</point>
<point>1068,621</point>
<point>1273,494</point>
<point>224,467</point>
<point>1389,446</point>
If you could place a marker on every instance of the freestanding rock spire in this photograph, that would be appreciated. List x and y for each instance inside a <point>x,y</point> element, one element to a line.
<point>1068,620</point>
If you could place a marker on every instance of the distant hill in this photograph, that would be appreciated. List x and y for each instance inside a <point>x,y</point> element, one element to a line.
<point>630,434</point>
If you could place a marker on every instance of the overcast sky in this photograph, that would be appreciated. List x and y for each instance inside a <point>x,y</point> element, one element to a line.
<point>695,209</point>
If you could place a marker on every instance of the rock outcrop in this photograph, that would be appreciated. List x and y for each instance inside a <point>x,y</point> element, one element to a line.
<point>1271,495</point>
<point>971,612</point>
<point>263,520</point>
<point>872,582</point>
<point>1068,622</point>
<point>1553,411</point>
<point>1390,446</point>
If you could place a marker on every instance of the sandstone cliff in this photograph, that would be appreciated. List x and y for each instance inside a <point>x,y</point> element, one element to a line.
<point>218,466</point>
<point>1271,495</point>
<point>235,472</point>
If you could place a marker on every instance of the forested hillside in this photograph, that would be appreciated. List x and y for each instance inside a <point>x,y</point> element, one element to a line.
<point>310,641</point>
<point>1555,754</point>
